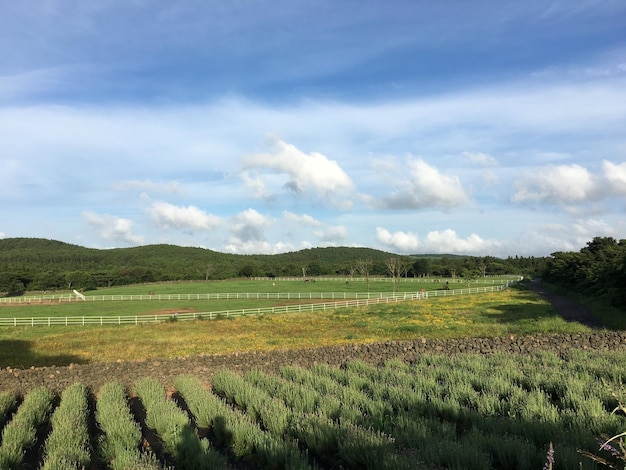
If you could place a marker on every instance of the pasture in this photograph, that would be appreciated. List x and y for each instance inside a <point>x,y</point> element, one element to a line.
<point>512,311</point>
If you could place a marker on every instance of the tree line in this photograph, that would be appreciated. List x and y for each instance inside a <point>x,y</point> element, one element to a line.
<point>33,264</point>
<point>597,270</point>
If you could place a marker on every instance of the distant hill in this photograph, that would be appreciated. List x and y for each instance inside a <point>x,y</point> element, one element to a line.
<point>39,264</point>
<point>50,263</point>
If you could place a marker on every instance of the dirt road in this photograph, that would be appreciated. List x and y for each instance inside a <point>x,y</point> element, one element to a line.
<point>567,308</point>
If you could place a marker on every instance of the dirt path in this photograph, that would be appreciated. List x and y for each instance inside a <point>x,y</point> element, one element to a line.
<point>567,308</point>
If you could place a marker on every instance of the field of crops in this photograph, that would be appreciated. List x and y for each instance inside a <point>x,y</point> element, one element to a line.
<point>466,412</point>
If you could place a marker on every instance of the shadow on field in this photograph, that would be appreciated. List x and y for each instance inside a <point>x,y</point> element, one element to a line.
<point>20,355</point>
<point>559,306</point>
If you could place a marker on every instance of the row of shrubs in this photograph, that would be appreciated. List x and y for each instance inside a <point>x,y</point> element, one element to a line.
<point>462,412</point>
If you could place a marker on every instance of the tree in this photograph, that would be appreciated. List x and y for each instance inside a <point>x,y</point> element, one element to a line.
<point>396,268</point>
<point>208,271</point>
<point>421,267</point>
<point>247,270</point>
<point>597,270</point>
<point>364,267</point>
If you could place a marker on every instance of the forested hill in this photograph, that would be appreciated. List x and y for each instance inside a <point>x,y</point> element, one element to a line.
<point>39,264</point>
<point>48,264</point>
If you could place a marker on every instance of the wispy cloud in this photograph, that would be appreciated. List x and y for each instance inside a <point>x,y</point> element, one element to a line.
<point>480,158</point>
<point>301,219</point>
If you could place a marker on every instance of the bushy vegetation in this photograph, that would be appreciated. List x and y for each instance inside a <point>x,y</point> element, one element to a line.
<point>22,431</point>
<point>464,412</point>
<point>174,428</point>
<point>597,270</point>
<point>68,446</point>
<point>120,442</point>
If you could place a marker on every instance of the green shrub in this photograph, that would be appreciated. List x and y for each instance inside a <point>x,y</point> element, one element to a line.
<point>240,434</point>
<point>8,404</point>
<point>20,433</point>
<point>68,445</point>
<point>173,427</point>
<point>120,443</point>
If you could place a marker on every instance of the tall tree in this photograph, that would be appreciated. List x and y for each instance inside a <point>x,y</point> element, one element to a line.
<point>396,268</point>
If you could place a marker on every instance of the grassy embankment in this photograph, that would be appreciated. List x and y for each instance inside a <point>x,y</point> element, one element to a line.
<point>514,311</point>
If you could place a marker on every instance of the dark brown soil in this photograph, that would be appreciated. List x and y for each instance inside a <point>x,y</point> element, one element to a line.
<point>203,366</point>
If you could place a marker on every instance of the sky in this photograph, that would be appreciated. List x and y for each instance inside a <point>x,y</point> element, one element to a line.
<point>481,127</point>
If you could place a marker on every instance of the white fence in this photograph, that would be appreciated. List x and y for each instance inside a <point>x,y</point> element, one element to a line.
<point>77,297</point>
<point>140,319</point>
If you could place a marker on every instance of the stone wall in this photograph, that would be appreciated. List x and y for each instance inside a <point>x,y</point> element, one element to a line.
<point>128,372</point>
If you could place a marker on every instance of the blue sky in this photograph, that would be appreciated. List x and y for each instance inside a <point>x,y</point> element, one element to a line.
<point>472,127</point>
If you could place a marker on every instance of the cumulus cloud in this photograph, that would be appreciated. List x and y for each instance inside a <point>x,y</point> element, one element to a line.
<point>615,175</point>
<point>560,184</point>
<point>398,241</point>
<point>427,187</point>
<point>113,228</point>
<point>571,184</point>
<point>249,225</point>
<point>448,241</point>
<point>306,174</point>
<point>188,218</point>
<point>2,235</point>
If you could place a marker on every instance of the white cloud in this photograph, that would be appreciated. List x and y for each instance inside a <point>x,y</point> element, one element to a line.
<point>427,187</point>
<point>571,184</point>
<point>332,235</point>
<point>2,235</point>
<point>254,182</point>
<point>303,219</point>
<point>398,241</point>
<point>238,246</point>
<point>561,184</point>
<point>113,228</point>
<point>479,158</point>
<point>248,225</point>
<point>550,237</point>
<point>306,173</point>
<point>616,177</point>
<point>188,218</point>
<point>448,241</point>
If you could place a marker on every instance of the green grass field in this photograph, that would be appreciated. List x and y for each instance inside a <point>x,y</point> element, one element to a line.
<point>513,311</point>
